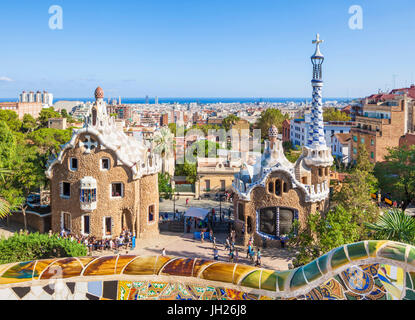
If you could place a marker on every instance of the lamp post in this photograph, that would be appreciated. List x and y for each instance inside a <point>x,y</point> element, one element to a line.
<point>220,204</point>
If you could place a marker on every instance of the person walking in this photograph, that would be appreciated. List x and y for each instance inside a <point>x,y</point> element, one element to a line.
<point>252,255</point>
<point>258,258</point>
<point>211,235</point>
<point>248,251</point>
<point>282,243</point>
<point>231,255</point>
<point>227,244</point>
<point>202,235</point>
<point>215,253</point>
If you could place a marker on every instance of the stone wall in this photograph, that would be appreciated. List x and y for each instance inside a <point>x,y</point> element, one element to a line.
<point>149,196</point>
<point>38,223</point>
<point>261,198</point>
<point>107,206</point>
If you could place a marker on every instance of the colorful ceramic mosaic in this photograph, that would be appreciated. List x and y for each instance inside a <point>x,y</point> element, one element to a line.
<point>369,270</point>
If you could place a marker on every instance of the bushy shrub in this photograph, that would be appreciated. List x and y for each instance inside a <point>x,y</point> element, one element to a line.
<point>28,247</point>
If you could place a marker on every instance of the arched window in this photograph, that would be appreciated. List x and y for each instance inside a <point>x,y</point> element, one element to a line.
<point>241,215</point>
<point>94,116</point>
<point>286,218</point>
<point>275,222</point>
<point>320,172</point>
<point>249,225</point>
<point>285,187</point>
<point>278,187</point>
<point>271,187</point>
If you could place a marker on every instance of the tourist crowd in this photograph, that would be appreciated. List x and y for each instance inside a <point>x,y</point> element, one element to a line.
<point>124,241</point>
<point>233,255</point>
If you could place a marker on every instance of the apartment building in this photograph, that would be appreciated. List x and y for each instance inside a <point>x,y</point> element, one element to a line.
<point>383,120</point>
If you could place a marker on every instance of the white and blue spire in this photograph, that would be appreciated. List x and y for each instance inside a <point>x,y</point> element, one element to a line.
<point>316,135</point>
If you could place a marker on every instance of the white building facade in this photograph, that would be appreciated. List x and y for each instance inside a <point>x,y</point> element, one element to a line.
<point>341,146</point>
<point>42,97</point>
<point>300,130</point>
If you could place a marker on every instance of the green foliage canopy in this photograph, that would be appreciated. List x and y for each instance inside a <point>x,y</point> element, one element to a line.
<point>46,114</point>
<point>323,234</point>
<point>23,247</point>
<point>229,121</point>
<point>268,118</point>
<point>397,174</point>
<point>394,225</point>
<point>333,114</point>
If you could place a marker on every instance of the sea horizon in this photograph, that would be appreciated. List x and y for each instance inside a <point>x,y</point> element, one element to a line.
<point>200,100</point>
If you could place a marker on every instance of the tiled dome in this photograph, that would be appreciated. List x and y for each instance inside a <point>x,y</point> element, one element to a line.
<point>273,132</point>
<point>99,93</point>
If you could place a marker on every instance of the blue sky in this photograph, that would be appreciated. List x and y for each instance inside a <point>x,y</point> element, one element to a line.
<point>193,48</point>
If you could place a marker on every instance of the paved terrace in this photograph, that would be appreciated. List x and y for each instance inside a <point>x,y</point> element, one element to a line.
<point>183,245</point>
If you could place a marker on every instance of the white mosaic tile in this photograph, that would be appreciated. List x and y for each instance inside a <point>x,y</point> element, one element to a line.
<point>7,294</point>
<point>37,290</point>
<point>79,296</point>
<point>44,296</point>
<point>81,287</point>
<point>29,296</point>
<point>61,290</point>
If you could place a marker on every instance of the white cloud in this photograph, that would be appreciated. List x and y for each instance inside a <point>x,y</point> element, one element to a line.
<point>6,79</point>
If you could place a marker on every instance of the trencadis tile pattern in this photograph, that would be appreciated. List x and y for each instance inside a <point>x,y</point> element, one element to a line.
<point>369,270</point>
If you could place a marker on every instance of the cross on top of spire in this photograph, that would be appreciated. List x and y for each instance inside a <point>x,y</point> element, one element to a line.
<point>317,42</point>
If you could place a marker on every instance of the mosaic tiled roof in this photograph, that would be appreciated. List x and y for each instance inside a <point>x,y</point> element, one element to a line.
<point>365,263</point>
<point>129,151</point>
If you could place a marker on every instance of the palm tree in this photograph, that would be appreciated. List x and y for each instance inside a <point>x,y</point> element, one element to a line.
<point>4,205</point>
<point>394,225</point>
<point>164,144</point>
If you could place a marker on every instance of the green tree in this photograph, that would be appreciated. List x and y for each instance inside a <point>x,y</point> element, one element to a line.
<point>229,121</point>
<point>394,225</point>
<point>4,205</point>
<point>397,174</point>
<point>189,170</point>
<point>8,146</point>
<point>172,127</point>
<point>45,115</point>
<point>333,114</point>
<point>268,118</point>
<point>8,149</point>
<point>28,176</point>
<point>209,148</point>
<point>355,194</point>
<point>49,140</point>
<point>291,153</point>
<point>165,188</point>
<point>164,144</point>
<point>28,123</point>
<point>11,119</point>
<point>64,113</point>
<point>322,234</point>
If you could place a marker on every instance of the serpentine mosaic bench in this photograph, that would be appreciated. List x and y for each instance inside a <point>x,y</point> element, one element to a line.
<point>369,270</point>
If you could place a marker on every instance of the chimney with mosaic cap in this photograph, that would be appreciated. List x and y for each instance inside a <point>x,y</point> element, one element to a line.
<point>99,109</point>
<point>273,135</point>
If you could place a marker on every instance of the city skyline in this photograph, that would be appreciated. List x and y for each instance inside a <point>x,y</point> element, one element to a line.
<point>233,49</point>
